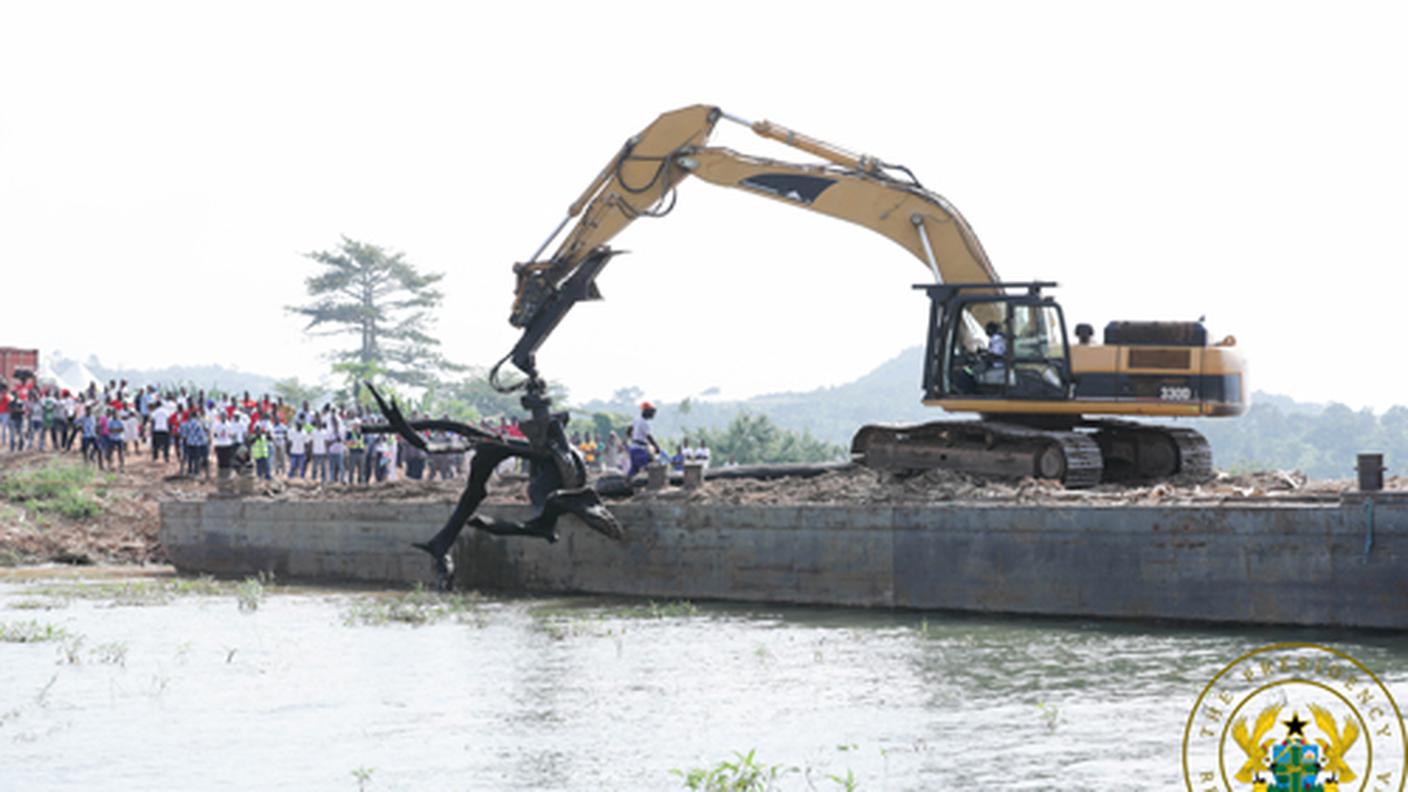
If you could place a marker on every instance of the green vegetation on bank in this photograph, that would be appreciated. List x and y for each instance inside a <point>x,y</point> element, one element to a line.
<point>145,592</point>
<point>57,487</point>
<point>752,439</point>
<point>1322,442</point>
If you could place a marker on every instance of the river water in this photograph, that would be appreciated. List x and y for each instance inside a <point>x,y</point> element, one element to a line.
<point>163,683</point>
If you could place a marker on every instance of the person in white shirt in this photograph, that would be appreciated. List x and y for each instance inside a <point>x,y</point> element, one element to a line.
<point>161,432</point>
<point>278,438</point>
<point>389,451</point>
<point>222,436</point>
<point>997,344</point>
<point>66,420</point>
<point>639,440</point>
<point>319,441</point>
<point>133,422</point>
<point>298,450</point>
<point>239,424</point>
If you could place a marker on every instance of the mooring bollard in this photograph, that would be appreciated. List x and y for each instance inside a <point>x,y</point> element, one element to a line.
<point>244,481</point>
<point>656,476</point>
<point>1371,472</point>
<point>693,475</point>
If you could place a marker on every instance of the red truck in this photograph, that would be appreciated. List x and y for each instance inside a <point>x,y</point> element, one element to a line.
<point>17,364</point>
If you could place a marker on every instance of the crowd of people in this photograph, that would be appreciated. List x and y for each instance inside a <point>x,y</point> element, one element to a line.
<point>185,427</point>
<point>631,454</point>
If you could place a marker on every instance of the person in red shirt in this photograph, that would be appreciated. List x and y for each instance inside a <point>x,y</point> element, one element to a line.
<point>5,416</point>
<point>173,431</point>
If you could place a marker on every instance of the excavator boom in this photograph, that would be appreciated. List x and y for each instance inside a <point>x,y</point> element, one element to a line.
<point>640,181</point>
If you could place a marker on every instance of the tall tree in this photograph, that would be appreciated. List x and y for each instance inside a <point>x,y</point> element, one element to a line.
<point>383,301</point>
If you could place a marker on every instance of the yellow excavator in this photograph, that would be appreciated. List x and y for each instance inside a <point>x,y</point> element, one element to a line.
<point>997,349</point>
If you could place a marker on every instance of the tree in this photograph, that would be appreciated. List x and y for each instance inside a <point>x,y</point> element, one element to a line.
<point>384,302</point>
<point>295,393</point>
<point>472,397</point>
<point>627,395</point>
<point>751,439</point>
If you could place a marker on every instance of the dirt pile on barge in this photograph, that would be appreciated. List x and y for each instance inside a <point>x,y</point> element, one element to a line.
<point>860,485</point>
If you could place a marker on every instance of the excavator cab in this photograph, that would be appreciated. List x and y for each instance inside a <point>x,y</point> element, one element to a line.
<point>997,341</point>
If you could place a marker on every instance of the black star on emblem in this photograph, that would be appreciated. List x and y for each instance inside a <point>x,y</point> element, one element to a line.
<point>1295,725</point>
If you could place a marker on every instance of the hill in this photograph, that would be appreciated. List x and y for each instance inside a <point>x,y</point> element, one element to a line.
<point>890,393</point>
<point>208,376</point>
<point>1277,432</point>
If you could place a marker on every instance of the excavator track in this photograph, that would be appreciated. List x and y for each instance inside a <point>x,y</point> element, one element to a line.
<point>1194,452</point>
<point>1135,451</point>
<point>1104,451</point>
<point>982,448</point>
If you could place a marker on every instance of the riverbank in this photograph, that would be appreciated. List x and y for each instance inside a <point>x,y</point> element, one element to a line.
<point>56,509</point>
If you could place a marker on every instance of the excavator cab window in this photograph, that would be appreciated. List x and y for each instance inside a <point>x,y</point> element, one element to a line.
<point>979,351</point>
<point>1038,352</point>
<point>1006,349</point>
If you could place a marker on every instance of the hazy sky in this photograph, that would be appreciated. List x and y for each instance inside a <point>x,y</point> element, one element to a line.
<point>163,166</point>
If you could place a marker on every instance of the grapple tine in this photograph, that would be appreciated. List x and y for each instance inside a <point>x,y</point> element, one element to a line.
<point>397,421</point>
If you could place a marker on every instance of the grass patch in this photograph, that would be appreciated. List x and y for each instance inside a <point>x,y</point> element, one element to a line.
<point>58,488</point>
<point>31,632</point>
<point>417,607</point>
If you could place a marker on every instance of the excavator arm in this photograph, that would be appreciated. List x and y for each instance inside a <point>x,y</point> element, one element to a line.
<point>641,179</point>
<point>924,224</point>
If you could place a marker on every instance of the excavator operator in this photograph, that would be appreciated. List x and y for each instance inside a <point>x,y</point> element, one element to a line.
<point>997,345</point>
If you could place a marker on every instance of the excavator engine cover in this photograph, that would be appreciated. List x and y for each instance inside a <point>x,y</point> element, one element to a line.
<point>1191,334</point>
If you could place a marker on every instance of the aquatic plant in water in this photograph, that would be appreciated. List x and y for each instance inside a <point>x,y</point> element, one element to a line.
<point>111,653</point>
<point>741,774</point>
<point>416,607</point>
<point>249,594</point>
<point>31,632</point>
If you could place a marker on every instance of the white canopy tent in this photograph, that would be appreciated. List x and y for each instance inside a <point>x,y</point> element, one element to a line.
<point>46,374</point>
<point>75,376</point>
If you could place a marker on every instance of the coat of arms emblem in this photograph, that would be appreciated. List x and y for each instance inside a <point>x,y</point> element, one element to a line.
<point>1295,718</point>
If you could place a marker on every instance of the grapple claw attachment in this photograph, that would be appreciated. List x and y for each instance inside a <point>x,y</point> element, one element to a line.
<point>396,420</point>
